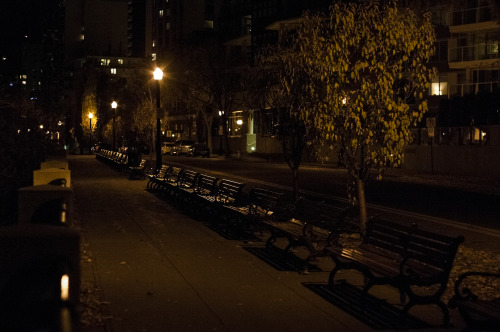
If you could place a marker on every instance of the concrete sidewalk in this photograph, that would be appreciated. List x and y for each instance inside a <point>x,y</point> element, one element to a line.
<point>160,270</point>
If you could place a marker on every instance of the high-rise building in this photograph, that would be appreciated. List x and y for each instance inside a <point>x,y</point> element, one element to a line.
<point>104,38</point>
<point>175,22</point>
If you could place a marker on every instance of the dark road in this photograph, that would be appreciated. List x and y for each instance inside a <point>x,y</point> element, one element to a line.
<point>457,203</point>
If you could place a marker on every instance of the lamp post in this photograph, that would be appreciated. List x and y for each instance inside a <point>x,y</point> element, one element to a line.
<point>90,132</point>
<point>158,76</point>
<point>113,106</point>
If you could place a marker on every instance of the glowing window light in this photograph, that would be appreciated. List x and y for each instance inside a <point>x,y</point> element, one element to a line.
<point>65,287</point>
<point>239,122</point>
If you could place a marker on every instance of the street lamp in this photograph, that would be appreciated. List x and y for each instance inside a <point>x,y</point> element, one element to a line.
<point>90,133</point>
<point>113,106</point>
<point>158,76</point>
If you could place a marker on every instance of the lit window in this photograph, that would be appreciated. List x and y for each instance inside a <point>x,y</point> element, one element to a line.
<point>120,61</point>
<point>160,13</point>
<point>235,123</point>
<point>154,43</point>
<point>113,71</point>
<point>167,26</point>
<point>209,25</point>
<point>153,56</point>
<point>439,85</point>
<point>23,82</point>
<point>439,89</point>
<point>104,62</point>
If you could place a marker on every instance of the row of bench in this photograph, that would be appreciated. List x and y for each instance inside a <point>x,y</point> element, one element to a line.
<point>389,253</point>
<point>122,162</point>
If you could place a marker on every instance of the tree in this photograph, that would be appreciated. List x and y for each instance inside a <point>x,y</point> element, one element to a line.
<point>144,117</point>
<point>368,75</point>
<point>216,85</point>
<point>89,106</point>
<point>274,87</point>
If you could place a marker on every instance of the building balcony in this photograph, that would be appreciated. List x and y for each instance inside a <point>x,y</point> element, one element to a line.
<point>472,15</point>
<point>474,56</point>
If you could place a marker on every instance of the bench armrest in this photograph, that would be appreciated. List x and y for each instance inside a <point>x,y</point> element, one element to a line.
<point>465,293</point>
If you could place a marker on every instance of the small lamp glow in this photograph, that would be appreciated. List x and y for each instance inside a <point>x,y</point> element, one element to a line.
<point>158,74</point>
<point>65,287</point>
<point>91,115</point>
<point>114,104</point>
<point>239,122</point>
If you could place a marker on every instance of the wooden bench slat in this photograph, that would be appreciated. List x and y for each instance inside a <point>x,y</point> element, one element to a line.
<point>310,224</point>
<point>401,256</point>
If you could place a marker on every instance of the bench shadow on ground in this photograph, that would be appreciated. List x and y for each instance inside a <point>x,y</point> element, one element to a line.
<point>376,313</point>
<point>277,259</point>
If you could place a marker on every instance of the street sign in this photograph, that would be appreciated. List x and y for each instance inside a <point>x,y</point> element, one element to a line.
<point>431,125</point>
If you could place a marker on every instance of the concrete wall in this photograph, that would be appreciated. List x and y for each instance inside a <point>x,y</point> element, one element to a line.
<point>33,260</point>
<point>478,159</point>
<point>456,160</point>
<point>48,204</point>
<point>46,175</point>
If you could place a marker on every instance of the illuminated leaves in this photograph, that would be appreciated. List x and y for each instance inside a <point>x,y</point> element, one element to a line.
<point>366,62</point>
<point>357,78</point>
<point>89,106</point>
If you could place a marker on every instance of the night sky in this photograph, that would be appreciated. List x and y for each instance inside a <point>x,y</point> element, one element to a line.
<point>18,19</point>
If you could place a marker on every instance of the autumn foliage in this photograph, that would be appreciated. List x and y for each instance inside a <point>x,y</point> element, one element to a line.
<point>366,64</point>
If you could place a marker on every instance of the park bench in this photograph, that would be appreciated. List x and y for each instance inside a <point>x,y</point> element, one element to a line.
<point>203,195</point>
<point>259,204</point>
<point>479,313</point>
<point>180,191</point>
<point>229,194</point>
<point>310,224</point>
<point>114,157</point>
<point>416,262</point>
<point>122,162</point>
<point>157,176</point>
<point>137,172</point>
<point>169,182</point>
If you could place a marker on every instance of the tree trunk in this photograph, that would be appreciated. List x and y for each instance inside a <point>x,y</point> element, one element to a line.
<point>295,183</point>
<point>209,119</point>
<point>362,205</point>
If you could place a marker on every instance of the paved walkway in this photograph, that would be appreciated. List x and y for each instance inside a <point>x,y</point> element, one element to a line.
<point>159,270</point>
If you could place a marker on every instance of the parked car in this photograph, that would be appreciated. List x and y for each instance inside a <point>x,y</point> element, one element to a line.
<point>199,149</point>
<point>181,147</point>
<point>166,147</point>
